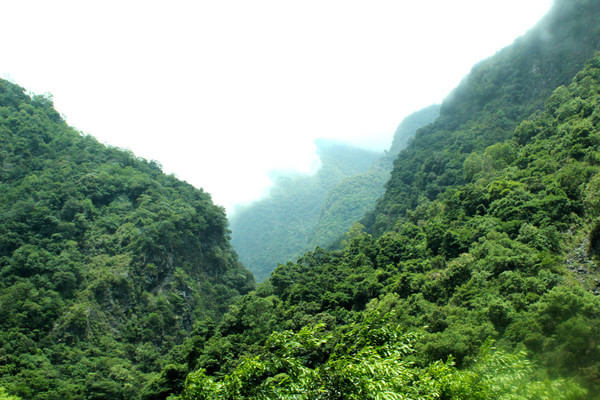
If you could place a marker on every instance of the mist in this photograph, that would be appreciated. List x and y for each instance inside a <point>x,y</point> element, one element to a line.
<point>221,94</point>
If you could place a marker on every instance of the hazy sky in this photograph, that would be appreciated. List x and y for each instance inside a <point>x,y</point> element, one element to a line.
<point>220,92</point>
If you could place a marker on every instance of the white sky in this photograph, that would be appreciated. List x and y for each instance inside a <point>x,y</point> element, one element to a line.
<point>220,92</point>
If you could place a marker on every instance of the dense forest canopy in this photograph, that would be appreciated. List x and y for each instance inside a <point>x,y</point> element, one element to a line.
<point>279,227</point>
<point>476,276</point>
<point>488,291</point>
<point>304,211</point>
<point>106,263</point>
<point>355,195</point>
<point>488,104</point>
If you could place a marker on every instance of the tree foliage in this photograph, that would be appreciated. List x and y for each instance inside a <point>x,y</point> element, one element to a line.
<point>105,262</point>
<point>487,233</point>
<point>305,211</point>
<point>484,110</point>
<point>280,226</point>
<point>476,276</point>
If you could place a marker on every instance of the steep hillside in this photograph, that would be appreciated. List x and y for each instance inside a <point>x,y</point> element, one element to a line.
<point>354,196</point>
<point>305,211</point>
<point>278,227</point>
<point>477,277</point>
<point>410,125</point>
<point>482,280</point>
<point>488,291</point>
<point>106,263</point>
<point>489,103</point>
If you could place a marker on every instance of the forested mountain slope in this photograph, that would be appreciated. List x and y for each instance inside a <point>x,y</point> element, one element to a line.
<point>354,196</point>
<point>106,263</point>
<point>489,103</point>
<point>477,276</point>
<point>279,227</point>
<point>510,258</point>
<point>409,126</point>
<point>303,211</point>
<point>480,279</point>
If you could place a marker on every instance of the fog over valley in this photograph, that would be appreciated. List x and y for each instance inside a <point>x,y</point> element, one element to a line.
<point>220,93</point>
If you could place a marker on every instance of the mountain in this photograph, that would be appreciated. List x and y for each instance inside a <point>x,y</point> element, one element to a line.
<point>410,125</point>
<point>355,195</point>
<point>106,263</point>
<point>304,211</point>
<point>476,276</point>
<point>278,227</point>
<point>488,104</point>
